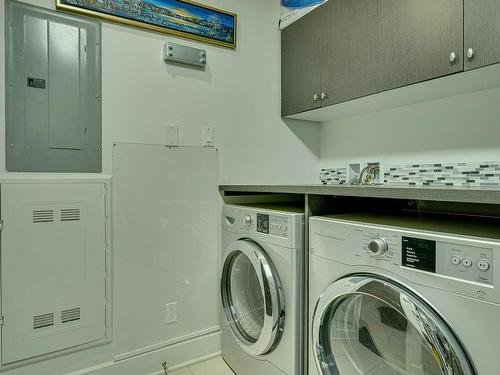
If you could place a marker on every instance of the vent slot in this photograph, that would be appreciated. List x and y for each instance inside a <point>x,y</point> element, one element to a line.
<point>70,214</point>
<point>42,321</point>
<point>43,216</point>
<point>70,315</point>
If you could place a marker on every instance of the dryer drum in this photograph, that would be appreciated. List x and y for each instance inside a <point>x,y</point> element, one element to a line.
<point>368,324</point>
<point>252,298</point>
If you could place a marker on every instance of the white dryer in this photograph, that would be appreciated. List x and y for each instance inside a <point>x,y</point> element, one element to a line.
<point>261,289</point>
<point>408,294</point>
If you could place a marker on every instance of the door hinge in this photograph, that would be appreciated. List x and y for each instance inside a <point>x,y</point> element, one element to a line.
<point>2,322</point>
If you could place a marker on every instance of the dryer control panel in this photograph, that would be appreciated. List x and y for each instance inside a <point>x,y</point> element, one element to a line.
<point>272,224</point>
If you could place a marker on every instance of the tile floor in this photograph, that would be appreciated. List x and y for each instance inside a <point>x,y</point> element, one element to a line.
<point>215,366</point>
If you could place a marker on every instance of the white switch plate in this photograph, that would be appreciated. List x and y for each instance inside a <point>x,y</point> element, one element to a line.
<point>171,313</point>
<point>208,137</point>
<point>172,135</point>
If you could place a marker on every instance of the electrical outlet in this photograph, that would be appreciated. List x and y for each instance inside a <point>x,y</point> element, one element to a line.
<point>172,135</point>
<point>171,313</point>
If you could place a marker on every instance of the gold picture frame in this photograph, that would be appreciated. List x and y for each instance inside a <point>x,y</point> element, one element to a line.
<point>182,18</point>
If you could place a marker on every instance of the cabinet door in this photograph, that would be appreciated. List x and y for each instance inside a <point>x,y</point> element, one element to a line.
<point>482,32</point>
<point>300,68</point>
<point>417,39</point>
<point>349,56</point>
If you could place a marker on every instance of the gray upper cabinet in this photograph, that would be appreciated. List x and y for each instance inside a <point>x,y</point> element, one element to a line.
<point>482,33</point>
<point>53,91</point>
<point>349,53</point>
<point>347,49</point>
<point>418,40</point>
<point>300,73</point>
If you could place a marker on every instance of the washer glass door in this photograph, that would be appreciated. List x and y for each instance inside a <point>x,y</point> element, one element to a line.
<point>371,325</point>
<point>252,297</point>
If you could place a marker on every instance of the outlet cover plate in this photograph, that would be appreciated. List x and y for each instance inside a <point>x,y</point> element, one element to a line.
<point>171,313</point>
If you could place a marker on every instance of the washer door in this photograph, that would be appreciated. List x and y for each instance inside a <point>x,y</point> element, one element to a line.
<point>252,298</point>
<point>364,324</point>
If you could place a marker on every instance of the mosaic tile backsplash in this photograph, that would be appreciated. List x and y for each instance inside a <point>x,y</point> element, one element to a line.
<point>445,174</point>
<point>334,176</point>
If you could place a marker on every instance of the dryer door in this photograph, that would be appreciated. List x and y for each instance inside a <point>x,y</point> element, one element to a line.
<point>252,298</point>
<point>364,324</point>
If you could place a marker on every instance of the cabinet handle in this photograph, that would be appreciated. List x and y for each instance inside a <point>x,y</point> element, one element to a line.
<point>453,57</point>
<point>315,97</point>
<point>470,53</point>
<point>323,96</point>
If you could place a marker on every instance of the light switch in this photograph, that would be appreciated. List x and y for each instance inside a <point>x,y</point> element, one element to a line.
<point>208,137</point>
<point>172,135</point>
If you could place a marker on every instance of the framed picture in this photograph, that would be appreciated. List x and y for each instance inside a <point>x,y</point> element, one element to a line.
<point>183,18</point>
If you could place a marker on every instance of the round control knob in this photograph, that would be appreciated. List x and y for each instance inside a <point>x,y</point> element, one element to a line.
<point>247,220</point>
<point>453,57</point>
<point>378,246</point>
<point>483,265</point>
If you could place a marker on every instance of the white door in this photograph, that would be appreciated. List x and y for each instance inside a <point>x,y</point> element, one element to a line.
<point>53,267</point>
<point>364,324</point>
<point>252,298</point>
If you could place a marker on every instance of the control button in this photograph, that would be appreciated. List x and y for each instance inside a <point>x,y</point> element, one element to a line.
<point>455,260</point>
<point>467,262</point>
<point>284,226</point>
<point>483,265</point>
<point>247,221</point>
<point>378,246</point>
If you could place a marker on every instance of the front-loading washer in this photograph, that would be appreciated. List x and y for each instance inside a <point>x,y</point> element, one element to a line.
<point>413,294</point>
<point>262,289</point>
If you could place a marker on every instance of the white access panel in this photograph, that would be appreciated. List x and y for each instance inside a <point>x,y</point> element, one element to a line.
<point>165,246</point>
<point>53,264</point>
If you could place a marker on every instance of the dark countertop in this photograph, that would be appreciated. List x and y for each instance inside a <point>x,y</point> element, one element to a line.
<point>483,195</point>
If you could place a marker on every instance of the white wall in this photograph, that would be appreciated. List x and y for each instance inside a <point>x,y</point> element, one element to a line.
<point>238,94</point>
<point>454,129</point>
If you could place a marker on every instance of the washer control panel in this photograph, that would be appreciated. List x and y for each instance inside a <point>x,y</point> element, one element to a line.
<point>465,262</point>
<point>461,261</point>
<point>380,247</point>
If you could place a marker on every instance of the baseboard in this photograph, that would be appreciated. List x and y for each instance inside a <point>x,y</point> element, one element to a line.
<point>190,363</point>
<point>164,344</point>
<point>176,356</point>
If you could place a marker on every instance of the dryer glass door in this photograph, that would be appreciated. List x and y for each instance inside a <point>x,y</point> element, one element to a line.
<point>370,325</point>
<point>252,297</point>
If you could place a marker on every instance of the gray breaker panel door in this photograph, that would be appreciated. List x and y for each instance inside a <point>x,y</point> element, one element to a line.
<point>53,91</point>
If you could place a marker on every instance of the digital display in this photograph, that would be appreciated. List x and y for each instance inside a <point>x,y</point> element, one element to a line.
<point>419,254</point>
<point>263,223</point>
